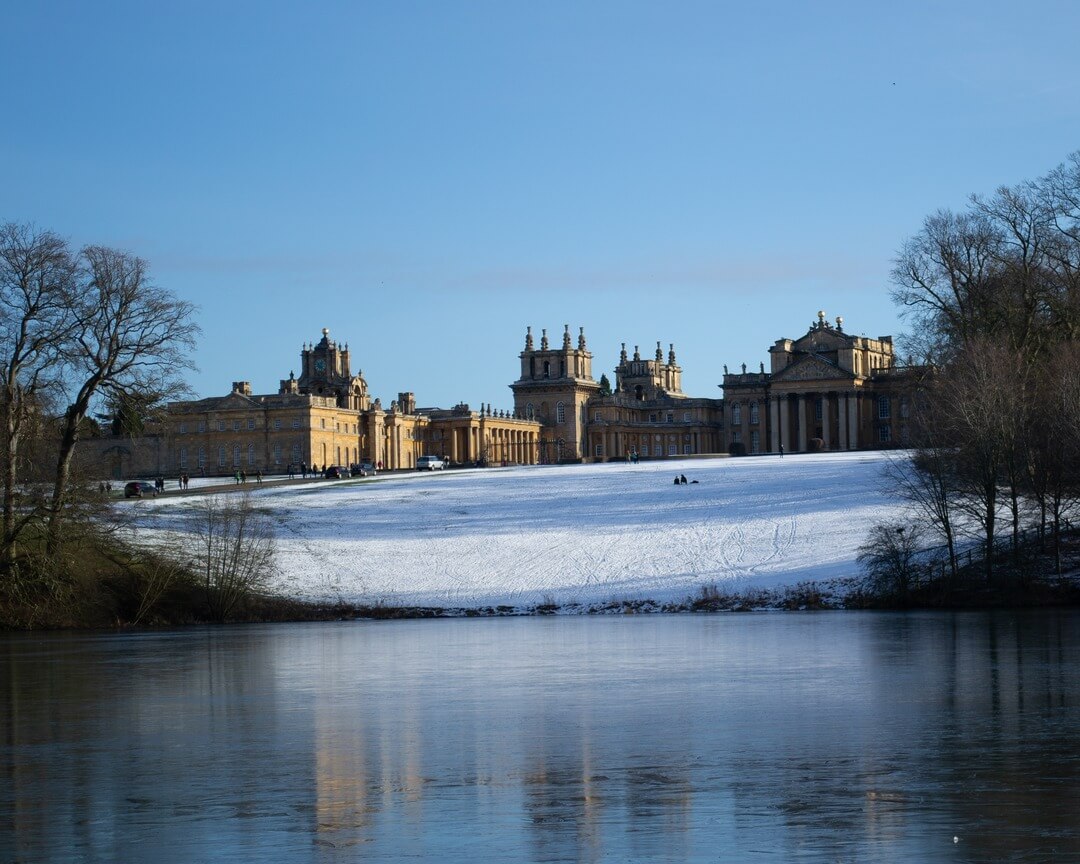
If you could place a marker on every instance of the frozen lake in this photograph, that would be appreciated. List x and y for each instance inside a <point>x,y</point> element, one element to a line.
<point>817,737</point>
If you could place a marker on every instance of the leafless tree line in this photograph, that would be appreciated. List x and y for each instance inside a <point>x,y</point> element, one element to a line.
<point>993,297</point>
<point>77,327</point>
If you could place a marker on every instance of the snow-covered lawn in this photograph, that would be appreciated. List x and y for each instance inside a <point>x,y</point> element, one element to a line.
<point>571,534</point>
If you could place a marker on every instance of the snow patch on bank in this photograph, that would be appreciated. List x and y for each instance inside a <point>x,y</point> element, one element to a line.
<point>582,534</point>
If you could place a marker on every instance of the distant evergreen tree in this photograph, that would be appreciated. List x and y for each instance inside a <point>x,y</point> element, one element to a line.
<point>605,386</point>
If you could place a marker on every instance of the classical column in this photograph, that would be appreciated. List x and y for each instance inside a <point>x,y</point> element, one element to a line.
<point>800,413</point>
<point>825,410</point>
<point>841,420</point>
<point>774,430</point>
<point>853,421</point>
<point>785,423</point>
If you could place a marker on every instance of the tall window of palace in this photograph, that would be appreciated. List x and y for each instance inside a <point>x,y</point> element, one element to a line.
<point>295,452</point>
<point>560,412</point>
<point>755,441</point>
<point>819,407</point>
<point>883,411</point>
<point>221,456</point>
<point>547,369</point>
<point>236,455</point>
<point>202,457</point>
<point>183,457</point>
<point>251,454</point>
<point>736,414</point>
<point>753,414</point>
<point>277,454</point>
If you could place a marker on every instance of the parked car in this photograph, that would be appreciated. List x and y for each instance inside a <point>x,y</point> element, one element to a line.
<point>367,469</point>
<point>140,489</point>
<point>430,463</point>
<point>337,472</point>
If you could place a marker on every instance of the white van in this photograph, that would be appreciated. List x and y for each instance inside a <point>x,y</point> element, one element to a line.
<point>430,463</point>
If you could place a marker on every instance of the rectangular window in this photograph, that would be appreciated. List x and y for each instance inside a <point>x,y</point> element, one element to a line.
<point>183,457</point>
<point>597,416</point>
<point>599,450</point>
<point>221,456</point>
<point>736,436</point>
<point>277,424</point>
<point>202,457</point>
<point>295,424</point>
<point>322,423</point>
<point>883,411</point>
<point>755,441</point>
<point>686,449</point>
<point>753,413</point>
<point>202,425</point>
<point>277,454</point>
<point>644,449</point>
<point>236,425</point>
<point>736,414</point>
<point>818,407</point>
<point>670,416</point>
<point>652,418</point>
<point>183,428</point>
<point>884,433</point>
<point>251,422</point>
<point>686,416</point>
<point>673,450</point>
<point>221,426</point>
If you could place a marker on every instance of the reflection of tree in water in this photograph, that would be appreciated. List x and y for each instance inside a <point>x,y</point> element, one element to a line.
<point>965,726</point>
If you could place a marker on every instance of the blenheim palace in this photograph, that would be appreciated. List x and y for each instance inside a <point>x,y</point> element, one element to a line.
<point>827,390</point>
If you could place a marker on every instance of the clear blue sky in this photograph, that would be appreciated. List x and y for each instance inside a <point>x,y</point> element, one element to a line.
<point>426,179</point>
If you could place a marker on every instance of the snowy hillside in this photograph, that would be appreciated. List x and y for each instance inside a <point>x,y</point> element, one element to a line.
<point>574,534</point>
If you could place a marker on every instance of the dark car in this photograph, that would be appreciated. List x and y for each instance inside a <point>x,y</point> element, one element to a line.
<point>337,472</point>
<point>140,489</point>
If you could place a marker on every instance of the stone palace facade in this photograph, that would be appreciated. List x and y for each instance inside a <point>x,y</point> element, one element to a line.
<point>827,390</point>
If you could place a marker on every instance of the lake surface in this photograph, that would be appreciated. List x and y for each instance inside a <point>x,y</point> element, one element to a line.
<point>765,736</point>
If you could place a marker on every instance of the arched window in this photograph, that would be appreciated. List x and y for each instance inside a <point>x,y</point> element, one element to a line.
<point>236,455</point>
<point>251,454</point>
<point>560,412</point>
<point>221,456</point>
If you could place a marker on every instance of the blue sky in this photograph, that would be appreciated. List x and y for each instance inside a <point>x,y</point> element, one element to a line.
<point>426,179</point>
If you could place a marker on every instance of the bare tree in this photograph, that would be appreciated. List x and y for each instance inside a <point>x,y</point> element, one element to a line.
<point>36,321</point>
<point>890,558</point>
<point>132,336</point>
<point>234,550</point>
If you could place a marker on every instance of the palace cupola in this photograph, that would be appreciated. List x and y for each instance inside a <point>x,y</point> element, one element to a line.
<point>325,371</point>
<point>562,363</point>
<point>645,380</point>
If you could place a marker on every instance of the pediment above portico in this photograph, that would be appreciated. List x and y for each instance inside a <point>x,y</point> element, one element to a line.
<point>812,369</point>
